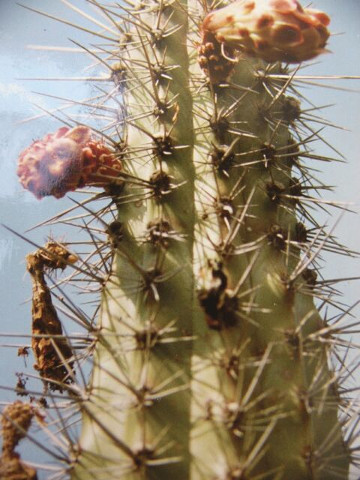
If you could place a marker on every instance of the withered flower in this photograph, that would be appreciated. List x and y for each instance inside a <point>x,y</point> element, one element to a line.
<point>66,160</point>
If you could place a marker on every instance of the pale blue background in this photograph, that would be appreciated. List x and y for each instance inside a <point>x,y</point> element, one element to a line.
<point>20,210</point>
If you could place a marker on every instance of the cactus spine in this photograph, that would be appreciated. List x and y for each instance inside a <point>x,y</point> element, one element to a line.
<point>211,358</point>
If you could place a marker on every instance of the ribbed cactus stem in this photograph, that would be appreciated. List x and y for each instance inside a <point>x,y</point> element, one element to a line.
<point>264,395</point>
<point>140,384</point>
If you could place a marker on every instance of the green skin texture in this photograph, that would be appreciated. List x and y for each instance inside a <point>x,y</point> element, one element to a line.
<point>169,397</point>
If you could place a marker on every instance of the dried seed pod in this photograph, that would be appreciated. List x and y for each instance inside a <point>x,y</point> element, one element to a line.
<point>12,468</point>
<point>273,30</point>
<point>50,353</point>
<point>22,414</point>
<point>15,422</point>
<point>66,160</point>
<point>52,256</point>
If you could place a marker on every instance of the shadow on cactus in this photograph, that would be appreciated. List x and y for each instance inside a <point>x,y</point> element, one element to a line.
<point>212,357</point>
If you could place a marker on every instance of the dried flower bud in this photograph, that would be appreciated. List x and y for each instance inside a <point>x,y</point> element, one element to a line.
<point>21,414</point>
<point>52,351</point>
<point>66,160</point>
<point>52,255</point>
<point>12,468</point>
<point>15,423</point>
<point>273,30</point>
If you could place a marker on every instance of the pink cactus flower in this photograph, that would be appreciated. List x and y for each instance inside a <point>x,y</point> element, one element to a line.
<point>273,30</point>
<point>66,160</point>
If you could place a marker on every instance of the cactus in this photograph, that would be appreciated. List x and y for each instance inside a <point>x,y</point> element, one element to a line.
<point>211,357</point>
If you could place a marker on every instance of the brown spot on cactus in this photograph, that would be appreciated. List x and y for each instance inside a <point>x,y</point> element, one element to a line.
<point>217,302</point>
<point>279,30</point>
<point>66,160</point>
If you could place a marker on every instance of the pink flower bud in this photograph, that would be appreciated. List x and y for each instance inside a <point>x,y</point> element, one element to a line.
<point>273,30</point>
<point>64,161</point>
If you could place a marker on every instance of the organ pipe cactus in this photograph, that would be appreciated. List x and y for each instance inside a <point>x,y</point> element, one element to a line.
<point>210,358</point>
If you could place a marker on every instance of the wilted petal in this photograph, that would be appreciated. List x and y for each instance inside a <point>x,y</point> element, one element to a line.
<point>64,161</point>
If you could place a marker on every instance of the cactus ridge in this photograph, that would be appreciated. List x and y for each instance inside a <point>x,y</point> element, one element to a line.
<point>207,353</point>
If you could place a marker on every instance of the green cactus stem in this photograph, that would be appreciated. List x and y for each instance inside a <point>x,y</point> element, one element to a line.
<point>142,362</point>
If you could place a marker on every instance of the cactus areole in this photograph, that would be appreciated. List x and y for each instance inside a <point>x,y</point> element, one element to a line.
<point>211,359</point>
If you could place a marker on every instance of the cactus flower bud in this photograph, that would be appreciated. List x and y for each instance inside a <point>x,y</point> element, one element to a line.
<point>273,30</point>
<point>66,160</point>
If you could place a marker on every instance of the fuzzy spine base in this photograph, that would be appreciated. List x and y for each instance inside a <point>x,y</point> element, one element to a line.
<point>211,359</point>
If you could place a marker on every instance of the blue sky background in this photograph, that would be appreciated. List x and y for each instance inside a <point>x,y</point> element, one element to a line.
<point>20,210</point>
